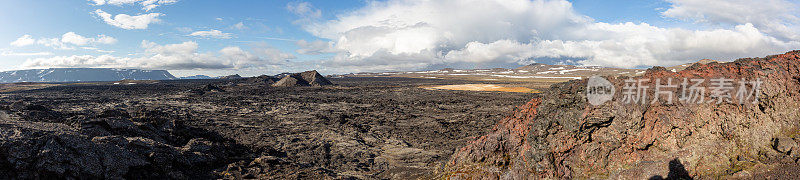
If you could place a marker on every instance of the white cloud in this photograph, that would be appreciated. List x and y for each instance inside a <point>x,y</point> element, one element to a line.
<point>147,5</point>
<point>211,34</point>
<point>239,26</point>
<point>150,4</point>
<point>182,56</point>
<point>66,41</point>
<point>775,17</point>
<point>72,38</point>
<point>73,61</point>
<point>314,47</point>
<point>98,2</point>
<point>273,56</point>
<point>103,39</point>
<point>414,34</point>
<point>304,9</point>
<point>54,43</point>
<point>506,51</point>
<point>97,49</point>
<point>125,21</point>
<point>24,40</point>
<point>11,53</point>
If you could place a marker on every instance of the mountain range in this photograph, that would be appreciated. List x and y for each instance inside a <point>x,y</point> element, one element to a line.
<point>82,74</point>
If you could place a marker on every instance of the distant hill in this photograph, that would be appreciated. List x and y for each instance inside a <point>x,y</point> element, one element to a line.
<point>82,74</point>
<point>308,78</point>
<point>198,77</point>
<point>235,76</point>
<point>684,66</point>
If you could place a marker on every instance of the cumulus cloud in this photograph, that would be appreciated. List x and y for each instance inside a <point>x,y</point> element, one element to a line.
<point>147,5</point>
<point>274,56</point>
<point>211,34</point>
<point>24,40</point>
<point>55,43</point>
<point>73,38</point>
<point>181,56</point>
<point>125,21</point>
<point>774,17</point>
<point>414,34</point>
<point>66,41</point>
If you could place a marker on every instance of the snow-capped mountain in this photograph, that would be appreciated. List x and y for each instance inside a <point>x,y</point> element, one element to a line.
<point>82,74</point>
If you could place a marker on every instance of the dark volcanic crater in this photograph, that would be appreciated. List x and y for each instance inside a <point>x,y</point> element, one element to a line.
<point>361,128</point>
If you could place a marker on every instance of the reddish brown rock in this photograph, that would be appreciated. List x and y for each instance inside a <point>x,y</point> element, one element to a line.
<point>560,135</point>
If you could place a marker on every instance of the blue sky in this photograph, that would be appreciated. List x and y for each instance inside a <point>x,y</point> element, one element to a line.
<point>253,37</point>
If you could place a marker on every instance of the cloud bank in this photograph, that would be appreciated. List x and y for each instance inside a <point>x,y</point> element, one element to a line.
<point>67,41</point>
<point>181,56</point>
<point>778,18</point>
<point>415,34</point>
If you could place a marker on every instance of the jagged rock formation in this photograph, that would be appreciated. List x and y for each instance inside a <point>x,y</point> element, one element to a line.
<point>82,74</point>
<point>560,135</point>
<point>308,78</point>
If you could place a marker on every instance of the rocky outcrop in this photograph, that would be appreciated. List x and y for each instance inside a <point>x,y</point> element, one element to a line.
<point>560,135</point>
<point>314,78</point>
<point>308,78</point>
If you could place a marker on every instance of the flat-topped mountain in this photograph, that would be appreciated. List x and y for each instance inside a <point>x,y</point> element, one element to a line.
<point>82,74</point>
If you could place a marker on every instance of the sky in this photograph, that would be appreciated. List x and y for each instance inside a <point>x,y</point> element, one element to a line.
<point>254,37</point>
